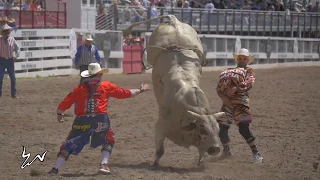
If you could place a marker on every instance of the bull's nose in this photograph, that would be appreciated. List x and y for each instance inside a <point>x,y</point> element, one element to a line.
<point>213,150</point>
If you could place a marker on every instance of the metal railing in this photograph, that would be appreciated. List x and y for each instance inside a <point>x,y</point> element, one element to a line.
<point>36,19</point>
<point>231,22</point>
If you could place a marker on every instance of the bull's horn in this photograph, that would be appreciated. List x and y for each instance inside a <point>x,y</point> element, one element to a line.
<point>192,119</point>
<point>219,115</point>
<point>194,115</point>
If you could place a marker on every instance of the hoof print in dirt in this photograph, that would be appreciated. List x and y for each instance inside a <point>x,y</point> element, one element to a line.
<point>315,166</point>
<point>35,172</point>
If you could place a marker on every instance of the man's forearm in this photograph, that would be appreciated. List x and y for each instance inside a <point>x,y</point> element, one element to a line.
<point>137,91</point>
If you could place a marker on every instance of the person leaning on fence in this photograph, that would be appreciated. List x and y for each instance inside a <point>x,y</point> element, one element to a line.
<point>86,54</point>
<point>91,124</point>
<point>9,52</point>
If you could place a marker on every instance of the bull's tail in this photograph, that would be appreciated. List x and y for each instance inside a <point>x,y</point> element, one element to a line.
<point>127,31</point>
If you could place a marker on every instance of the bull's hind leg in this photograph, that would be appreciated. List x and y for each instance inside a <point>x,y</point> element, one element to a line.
<point>159,141</point>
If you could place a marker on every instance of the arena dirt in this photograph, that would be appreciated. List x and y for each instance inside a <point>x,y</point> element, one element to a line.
<point>285,104</point>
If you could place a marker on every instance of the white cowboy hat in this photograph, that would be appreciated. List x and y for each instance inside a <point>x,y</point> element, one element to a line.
<point>5,27</point>
<point>88,37</point>
<point>243,52</point>
<point>93,69</point>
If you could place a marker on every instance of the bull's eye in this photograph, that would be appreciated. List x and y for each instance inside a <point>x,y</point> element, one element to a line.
<point>203,131</point>
<point>202,125</point>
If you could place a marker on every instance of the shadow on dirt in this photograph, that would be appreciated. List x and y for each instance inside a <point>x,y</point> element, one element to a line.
<point>80,175</point>
<point>148,166</point>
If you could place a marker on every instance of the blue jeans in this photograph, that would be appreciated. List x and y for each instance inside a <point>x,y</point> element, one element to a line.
<point>9,65</point>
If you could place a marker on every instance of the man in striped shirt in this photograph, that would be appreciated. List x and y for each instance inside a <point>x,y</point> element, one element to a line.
<point>86,54</point>
<point>9,52</point>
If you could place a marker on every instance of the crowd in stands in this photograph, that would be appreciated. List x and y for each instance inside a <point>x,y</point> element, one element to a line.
<point>36,5</point>
<point>6,5</point>
<point>267,5</point>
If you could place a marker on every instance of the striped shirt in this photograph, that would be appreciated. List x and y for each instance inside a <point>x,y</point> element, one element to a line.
<point>87,54</point>
<point>8,47</point>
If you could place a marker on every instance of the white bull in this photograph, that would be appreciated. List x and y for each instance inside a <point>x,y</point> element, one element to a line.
<point>176,54</point>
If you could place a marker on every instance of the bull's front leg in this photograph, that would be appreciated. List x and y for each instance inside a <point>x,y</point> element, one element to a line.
<point>159,141</point>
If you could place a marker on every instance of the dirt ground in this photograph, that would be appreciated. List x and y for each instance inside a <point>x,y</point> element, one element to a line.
<point>285,104</point>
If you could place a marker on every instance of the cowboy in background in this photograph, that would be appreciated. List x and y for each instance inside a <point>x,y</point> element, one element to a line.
<point>91,125</point>
<point>232,88</point>
<point>86,54</point>
<point>9,52</point>
<point>80,42</point>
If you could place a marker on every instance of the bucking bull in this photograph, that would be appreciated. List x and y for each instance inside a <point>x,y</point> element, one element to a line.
<point>176,54</point>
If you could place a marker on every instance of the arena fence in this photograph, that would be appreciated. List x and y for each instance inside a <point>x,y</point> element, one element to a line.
<point>50,52</point>
<point>228,21</point>
<point>266,50</point>
<point>25,19</point>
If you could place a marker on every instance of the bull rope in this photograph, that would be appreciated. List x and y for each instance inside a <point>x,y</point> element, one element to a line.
<point>177,49</point>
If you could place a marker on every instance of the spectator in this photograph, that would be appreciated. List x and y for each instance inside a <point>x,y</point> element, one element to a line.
<point>154,12</point>
<point>192,5</point>
<point>34,5</point>
<point>186,12</point>
<point>1,4</point>
<point>186,5</point>
<point>281,8</point>
<point>101,18</point>
<point>256,6</point>
<point>209,6</point>
<point>222,4</point>
<point>179,4</point>
<point>161,3</point>
<point>26,5</point>
<point>215,3</point>
<point>316,8</point>
<point>8,4</point>
<point>246,6</point>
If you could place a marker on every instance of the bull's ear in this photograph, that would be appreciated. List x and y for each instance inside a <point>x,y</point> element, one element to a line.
<point>191,121</point>
<point>189,127</point>
<point>219,115</point>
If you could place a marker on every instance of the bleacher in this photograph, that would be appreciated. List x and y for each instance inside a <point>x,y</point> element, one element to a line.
<point>230,22</point>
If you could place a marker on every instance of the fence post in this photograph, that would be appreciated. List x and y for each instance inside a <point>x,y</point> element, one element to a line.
<point>32,18</point>
<point>45,18</point>
<point>149,17</point>
<point>115,17</point>
<point>218,19</point>
<point>57,18</point>
<point>65,15</point>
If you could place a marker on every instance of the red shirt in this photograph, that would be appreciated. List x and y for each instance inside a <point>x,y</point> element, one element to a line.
<point>80,95</point>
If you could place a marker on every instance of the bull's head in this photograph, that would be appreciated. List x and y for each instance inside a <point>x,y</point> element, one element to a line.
<point>206,130</point>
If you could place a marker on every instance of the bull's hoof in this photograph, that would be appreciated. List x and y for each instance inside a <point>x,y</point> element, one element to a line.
<point>200,162</point>
<point>200,165</point>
